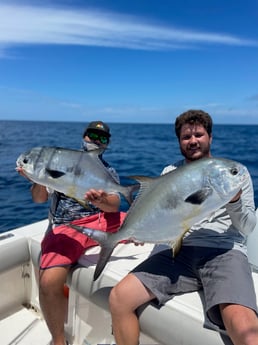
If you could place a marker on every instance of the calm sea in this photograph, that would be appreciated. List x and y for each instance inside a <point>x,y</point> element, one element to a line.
<point>135,149</point>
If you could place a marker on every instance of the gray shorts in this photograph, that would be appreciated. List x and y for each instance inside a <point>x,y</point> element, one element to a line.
<point>223,275</point>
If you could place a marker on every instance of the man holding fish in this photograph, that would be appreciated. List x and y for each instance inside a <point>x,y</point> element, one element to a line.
<point>213,256</point>
<point>62,246</point>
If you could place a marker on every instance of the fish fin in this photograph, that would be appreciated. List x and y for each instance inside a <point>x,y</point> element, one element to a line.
<point>144,182</point>
<point>138,187</point>
<point>177,243</point>
<point>141,187</point>
<point>54,173</point>
<point>197,198</point>
<point>129,192</point>
<point>100,236</point>
<point>104,256</point>
<point>142,178</point>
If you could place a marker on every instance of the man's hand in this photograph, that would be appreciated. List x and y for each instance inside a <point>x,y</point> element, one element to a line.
<point>107,202</point>
<point>96,197</point>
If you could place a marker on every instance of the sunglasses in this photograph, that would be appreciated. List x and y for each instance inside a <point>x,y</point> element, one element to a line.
<point>98,137</point>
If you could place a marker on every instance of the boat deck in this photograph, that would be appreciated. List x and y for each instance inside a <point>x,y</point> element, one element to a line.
<point>24,327</point>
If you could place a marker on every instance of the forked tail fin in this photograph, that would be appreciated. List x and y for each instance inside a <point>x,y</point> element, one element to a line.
<point>129,192</point>
<point>106,249</point>
<point>104,256</point>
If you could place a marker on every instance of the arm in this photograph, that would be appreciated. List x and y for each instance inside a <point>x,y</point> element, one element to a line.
<point>241,209</point>
<point>104,201</point>
<point>39,193</point>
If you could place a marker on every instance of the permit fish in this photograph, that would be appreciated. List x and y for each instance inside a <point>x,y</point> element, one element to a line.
<point>167,206</point>
<point>71,172</point>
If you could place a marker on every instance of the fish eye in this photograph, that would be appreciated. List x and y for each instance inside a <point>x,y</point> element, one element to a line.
<point>234,171</point>
<point>25,160</point>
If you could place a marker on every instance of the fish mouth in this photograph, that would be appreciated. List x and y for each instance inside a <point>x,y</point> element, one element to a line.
<point>20,161</point>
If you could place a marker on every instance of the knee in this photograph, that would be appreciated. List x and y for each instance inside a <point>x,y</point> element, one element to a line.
<point>45,284</point>
<point>115,298</point>
<point>241,323</point>
<point>50,284</point>
<point>247,335</point>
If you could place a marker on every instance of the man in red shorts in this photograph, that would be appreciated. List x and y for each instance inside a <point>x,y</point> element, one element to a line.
<point>62,246</point>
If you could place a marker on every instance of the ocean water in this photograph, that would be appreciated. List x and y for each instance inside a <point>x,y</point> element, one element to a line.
<point>135,149</point>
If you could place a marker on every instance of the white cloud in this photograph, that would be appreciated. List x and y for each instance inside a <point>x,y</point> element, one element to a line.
<point>27,24</point>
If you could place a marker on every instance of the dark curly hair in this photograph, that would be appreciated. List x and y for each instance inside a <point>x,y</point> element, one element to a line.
<point>198,117</point>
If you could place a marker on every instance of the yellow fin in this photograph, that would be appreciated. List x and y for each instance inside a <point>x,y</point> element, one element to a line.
<point>177,243</point>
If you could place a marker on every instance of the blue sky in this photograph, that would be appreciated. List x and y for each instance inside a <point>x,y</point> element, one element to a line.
<point>128,60</point>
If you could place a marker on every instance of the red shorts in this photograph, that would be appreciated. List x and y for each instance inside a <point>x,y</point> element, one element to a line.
<point>63,246</point>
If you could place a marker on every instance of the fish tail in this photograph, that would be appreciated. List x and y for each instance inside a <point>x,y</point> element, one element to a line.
<point>129,191</point>
<point>100,236</point>
<point>106,249</point>
<point>104,256</point>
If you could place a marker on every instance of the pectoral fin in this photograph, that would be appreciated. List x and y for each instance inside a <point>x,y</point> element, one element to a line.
<point>197,198</point>
<point>55,173</point>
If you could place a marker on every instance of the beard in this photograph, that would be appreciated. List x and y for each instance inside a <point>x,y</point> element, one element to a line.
<point>194,153</point>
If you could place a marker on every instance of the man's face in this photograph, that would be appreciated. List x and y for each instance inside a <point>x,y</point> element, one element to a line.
<point>97,138</point>
<point>194,142</point>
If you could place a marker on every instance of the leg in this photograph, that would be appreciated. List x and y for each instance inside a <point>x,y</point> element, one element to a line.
<point>53,301</point>
<point>124,299</point>
<point>159,276</point>
<point>241,324</point>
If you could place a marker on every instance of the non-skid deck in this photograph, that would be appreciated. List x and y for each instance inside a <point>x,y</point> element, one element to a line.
<point>24,327</point>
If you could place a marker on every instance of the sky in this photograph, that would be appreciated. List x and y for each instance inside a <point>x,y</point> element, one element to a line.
<point>126,61</point>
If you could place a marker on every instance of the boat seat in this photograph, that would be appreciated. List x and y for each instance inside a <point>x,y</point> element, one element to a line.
<point>18,246</point>
<point>178,321</point>
<point>35,250</point>
<point>14,262</point>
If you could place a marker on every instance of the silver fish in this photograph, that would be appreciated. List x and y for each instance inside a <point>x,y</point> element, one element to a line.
<point>71,172</point>
<point>168,205</point>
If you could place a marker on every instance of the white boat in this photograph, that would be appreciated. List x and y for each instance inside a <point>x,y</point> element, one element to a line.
<point>179,322</point>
